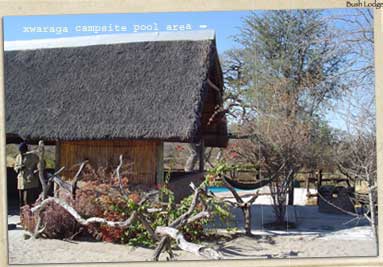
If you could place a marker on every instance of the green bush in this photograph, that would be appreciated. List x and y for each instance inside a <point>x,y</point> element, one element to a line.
<point>117,207</point>
<point>99,195</point>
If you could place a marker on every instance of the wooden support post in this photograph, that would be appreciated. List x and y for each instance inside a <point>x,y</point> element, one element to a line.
<point>319,183</point>
<point>160,163</point>
<point>57,166</point>
<point>319,178</point>
<point>201,156</point>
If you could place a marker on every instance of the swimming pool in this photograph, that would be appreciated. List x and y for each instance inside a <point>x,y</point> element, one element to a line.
<point>221,189</point>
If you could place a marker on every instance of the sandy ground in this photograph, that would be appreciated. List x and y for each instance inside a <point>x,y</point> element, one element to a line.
<point>317,235</point>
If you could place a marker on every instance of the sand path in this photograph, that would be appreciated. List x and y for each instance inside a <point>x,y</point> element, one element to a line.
<point>317,235</point>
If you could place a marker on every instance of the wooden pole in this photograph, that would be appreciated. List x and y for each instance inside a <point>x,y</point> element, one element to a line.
<point>160,163</point>
<point>57,166</point>
<point>319,179</point>
<point>41,169</point>
<point>319,183</point>
<point>201,156</point>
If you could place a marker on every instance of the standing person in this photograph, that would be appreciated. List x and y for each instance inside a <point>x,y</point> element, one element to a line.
<point>27,177</point>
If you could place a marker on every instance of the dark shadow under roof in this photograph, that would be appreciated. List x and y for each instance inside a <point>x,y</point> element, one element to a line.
<point>145,90</point>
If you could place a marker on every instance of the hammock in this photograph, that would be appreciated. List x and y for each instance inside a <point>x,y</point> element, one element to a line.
<point>254,185</point>
<point>248,186</point>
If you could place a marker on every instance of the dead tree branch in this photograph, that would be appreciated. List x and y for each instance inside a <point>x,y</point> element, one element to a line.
<point>171,231</point>
<point>121,224</point>
<point>167,232</point>
<point>76,177</point>
<point>199,250</point>
<point>122,190</point>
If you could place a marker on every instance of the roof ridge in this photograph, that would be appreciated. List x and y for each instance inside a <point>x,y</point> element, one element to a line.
<point>105,39</point>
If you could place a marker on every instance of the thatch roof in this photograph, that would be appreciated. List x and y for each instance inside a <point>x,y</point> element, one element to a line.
<point>124,90</point>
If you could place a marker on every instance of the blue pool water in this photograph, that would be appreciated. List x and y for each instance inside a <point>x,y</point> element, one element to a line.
<point>220,189</point>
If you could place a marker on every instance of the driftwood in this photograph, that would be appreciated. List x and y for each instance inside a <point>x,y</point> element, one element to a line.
<point>165,233</point>
<point>119,177</point>
<point>199,250</point>
<point>123,224</point>
<point>171,231</point>
<point>69,187</point>
<point>38,229</point>
<point>136,215</point>
<point>119,224</point>
<point>76,177</point>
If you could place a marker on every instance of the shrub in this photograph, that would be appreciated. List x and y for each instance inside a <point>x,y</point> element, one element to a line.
<point>57,222</point>
<point>99,195</point>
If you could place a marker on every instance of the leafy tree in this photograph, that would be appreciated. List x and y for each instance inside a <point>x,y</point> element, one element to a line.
<point>282,78</point>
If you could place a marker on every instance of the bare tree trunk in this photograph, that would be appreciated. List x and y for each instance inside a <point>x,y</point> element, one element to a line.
<point>245,206</point>
<point>291,193</point>
<point>247,218</point>
<point>279,192</point>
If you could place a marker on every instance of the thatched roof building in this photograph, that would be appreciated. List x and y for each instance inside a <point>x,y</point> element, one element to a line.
<point>152,87</point>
